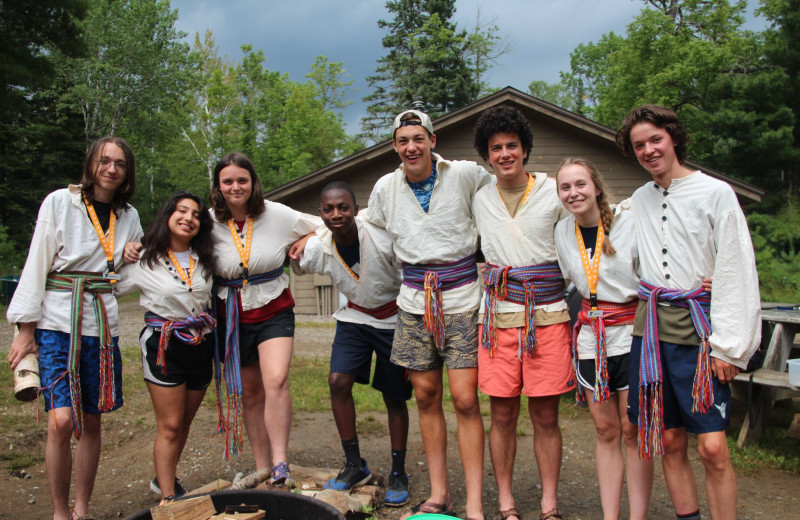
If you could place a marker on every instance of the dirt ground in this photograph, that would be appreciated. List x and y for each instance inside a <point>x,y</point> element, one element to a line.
<point>126,463</point>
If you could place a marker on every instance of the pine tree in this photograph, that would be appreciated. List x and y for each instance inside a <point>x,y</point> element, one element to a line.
<point>428,59</point>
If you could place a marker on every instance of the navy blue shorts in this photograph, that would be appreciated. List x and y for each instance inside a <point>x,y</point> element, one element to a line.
<point>53,364</point>
<point>678,364</point>
<point>352,354</point>
<point>618,377</point>
<point>186,364</point>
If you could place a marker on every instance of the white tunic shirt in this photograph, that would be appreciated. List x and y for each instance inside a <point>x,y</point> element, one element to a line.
<point>273,232</point>
<point>445,233</point>
<point>379,275</point>
<point>65,240</point>
<point>524,239</point>
<point>162,290</point>
<point>618,281</point>
<point>695,229</point>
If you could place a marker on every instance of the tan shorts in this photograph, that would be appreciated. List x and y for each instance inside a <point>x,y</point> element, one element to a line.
<point>413,347</point>
<point>510,371</point>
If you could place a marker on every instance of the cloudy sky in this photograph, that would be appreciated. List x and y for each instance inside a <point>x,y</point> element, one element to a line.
<point>293,33</point>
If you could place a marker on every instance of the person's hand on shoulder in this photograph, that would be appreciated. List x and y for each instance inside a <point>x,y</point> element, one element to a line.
<point>131,252</point>
<point>296,249</point>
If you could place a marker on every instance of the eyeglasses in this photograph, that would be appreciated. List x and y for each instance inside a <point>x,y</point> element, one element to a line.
<point>121,166</point>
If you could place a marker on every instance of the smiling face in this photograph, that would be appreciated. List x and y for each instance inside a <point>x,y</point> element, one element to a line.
<point>338,212</point>
<point>110,169</point>
<point>413,144</point>
<point>184,224</point>
<point>236,187</point>
<point>655,150</point>
<point>506,156</point>
<point>578,194</point>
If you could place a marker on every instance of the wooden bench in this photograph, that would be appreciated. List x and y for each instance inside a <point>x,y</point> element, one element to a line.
<point>772,376</point>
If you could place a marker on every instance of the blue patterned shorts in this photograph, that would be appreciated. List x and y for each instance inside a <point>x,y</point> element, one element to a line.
<point>53,364</point>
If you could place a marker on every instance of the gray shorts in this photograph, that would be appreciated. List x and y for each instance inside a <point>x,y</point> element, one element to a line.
<point>413,347</point>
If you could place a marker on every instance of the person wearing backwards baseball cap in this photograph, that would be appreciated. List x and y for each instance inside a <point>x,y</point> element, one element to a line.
<point>424,206</point>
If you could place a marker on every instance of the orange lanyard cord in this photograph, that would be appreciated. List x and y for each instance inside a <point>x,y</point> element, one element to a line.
<point>107,244</point>
<point>186,277</point>
<point>592,269</point>
<point>244,250</point>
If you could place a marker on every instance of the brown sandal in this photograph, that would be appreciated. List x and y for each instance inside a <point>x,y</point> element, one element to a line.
<point>433,508</point>
<point>553,513</point>
<point>503,515</point>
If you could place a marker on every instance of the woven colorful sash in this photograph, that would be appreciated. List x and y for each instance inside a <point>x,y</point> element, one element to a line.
<point>530,285</point>
<point>231,423</point>
<point>381,313</point>
<point>189,331</point>
<point>613,314</point>
<point>433,279</point>
<point>651,420</point>
<point>78,282</point>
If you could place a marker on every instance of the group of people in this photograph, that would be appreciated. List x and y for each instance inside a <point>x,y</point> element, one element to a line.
<point>643,354</point>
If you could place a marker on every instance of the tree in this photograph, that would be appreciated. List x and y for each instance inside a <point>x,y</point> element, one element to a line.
<point>429,59</point>
<point>135,60</point>
<point>38,151</point>
<point>330,80</point>
<point>484,48</point>
<point>555,93</point>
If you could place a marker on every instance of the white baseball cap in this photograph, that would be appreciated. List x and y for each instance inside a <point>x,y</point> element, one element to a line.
<point>424,121</point>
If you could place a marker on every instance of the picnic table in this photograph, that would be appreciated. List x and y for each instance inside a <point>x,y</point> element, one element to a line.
<point>765,382</point>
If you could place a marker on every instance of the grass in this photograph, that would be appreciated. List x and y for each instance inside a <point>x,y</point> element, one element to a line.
<point>776,450</point>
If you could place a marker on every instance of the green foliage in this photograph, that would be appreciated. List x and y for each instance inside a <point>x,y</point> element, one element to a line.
<point>428,59</point>
<point>308,378</point>
<point>776,241</point>
<point>693,56</point>
<point>555,93</point>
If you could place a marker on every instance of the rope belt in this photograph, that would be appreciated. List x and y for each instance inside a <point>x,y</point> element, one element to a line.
<point>78,282</point>
<point>189,331</point>
<point>608,314</point>
<point>651,414</point>
<point>231,423</point>
<point>530,285</point>
<point>381,313</point>
<point>433,279</point>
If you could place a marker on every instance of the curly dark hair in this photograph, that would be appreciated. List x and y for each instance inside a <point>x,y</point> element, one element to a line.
<point>659,116</point>
<point>505,119</point>
<point>156,240</point>
<point>90,168</point>
<point>255,205</point>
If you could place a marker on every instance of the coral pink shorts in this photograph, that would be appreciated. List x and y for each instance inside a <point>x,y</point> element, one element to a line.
<point>510,371</point>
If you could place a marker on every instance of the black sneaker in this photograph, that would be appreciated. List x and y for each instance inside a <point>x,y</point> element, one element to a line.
<point>179,491</point>
<point>397,493</point>
<point>349,477</point>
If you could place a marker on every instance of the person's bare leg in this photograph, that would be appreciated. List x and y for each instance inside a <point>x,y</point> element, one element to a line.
<point>194,398</point>
<point>503,446</point>
<point>344,410</point>
<point>464,391</point>
<point>610,462</point>
<point>678,473</point>
<point>168,404</point>
<point>547,446</point>
<point>87,458</point>
<point>275,357</point>
<point>428,388</point>
<point>640,472</point>
<point>253,410</point>
<point>721,491</point>
<point>397,411</point>
<point>58,460</point>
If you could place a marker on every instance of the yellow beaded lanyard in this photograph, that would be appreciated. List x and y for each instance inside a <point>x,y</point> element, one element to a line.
<point>108,244</point>
<point>186,277</point>
<point>352,273</point>
<point>244,251</point>
<point>592,269</point>
<point>528,190</point>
